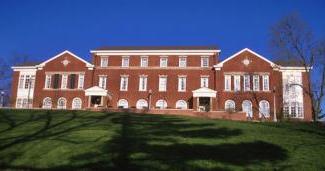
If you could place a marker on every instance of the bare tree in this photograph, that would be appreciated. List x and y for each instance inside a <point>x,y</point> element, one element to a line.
<point>293,42</point>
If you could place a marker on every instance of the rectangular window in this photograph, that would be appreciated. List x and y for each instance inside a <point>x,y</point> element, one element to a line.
<point>81,80</point>
<point>21,81</point>
<point>144,62</point>
<point>266,85</point>
<point>32,79</point>
<point>56,81</point>
<point>163,62</point>
<point>143,83</point>
<point>124,83</point>
<point>247,83</point>
<point>72,81</point>
<point>182,62</point>
<point>125,61</point>
<point>48,81</point>
<point>64,81</point>
<point>227,82</point>
<point>182,83</point>
<point>204,61</point>
<point>162,83</point>
<point>27,81</point>
<point>204,81</point>
<point>237,83</point>
<point>102,81</point>
<point>104,61</point>
<point>256,83</point>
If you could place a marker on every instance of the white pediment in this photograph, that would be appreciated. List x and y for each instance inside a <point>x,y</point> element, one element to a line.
<point>204,92</point>
<point>95,91</point>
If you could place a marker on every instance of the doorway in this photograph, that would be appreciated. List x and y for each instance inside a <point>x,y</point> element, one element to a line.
<point>204,104</point>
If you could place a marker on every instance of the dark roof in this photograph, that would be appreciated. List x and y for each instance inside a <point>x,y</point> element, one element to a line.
<point>158,48</point>
<point>28,64</point>
<point>289,63</point>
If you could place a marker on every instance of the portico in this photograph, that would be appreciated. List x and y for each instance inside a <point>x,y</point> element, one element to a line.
<point>96,96</point>
<point>203,99</point>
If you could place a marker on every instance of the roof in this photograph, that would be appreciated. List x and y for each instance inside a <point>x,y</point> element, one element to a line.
<point>66,52</point>
<point>158,48</point>
<point>289,63</point>
<point>28,64</point>
<point>241,51</point>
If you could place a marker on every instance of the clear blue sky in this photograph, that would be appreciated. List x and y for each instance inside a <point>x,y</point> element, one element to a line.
<point>42,29</point>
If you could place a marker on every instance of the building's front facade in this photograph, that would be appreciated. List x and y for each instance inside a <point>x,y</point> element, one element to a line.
<point>164,78</point>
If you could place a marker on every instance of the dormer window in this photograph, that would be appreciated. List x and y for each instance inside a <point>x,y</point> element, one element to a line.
<point>182,61</point>
<point>163,62</point>
<point>205,61</point>
<point>144,61</point>
<point>125,61</point>
<point>103,61</point>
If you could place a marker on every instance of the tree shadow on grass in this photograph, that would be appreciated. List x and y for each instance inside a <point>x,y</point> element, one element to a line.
<point>149,142</point>
<point>138,147</point>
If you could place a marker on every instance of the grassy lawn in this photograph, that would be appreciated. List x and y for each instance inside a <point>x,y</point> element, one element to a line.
<point>74,140</point>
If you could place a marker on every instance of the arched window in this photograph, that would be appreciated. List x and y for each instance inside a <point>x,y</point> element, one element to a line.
<point>181,104</point>
<point>122,103</point>
<point>161,104</point>
<point>230,105</point>
<point>141,104</point>
<point>264,108</point>
<point>76,103</point>
<point>62,103</point>
<point>47,103</point>
<point>247,108</point>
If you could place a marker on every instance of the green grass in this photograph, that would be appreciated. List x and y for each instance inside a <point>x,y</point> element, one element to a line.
<point>74,140</point>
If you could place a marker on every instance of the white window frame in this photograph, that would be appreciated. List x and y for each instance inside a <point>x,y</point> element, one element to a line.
<point>256,83</point>
<point>247,82</point>
<point>143,81</point>
<point>161,104</point>
<point>47,103</point>
<point>262,111</point>
<point>181,83</point>
<point>65,103</point>
<point>125,61</point>
<point>76,106</point>
<point>205,61</point>
<point>81,81</point>
<point>227,82</point>
<point>144,61</point>
<point>64,81</point>
<point>230,103</point>
<point>104,61</point>
<point>181,104</point>
<point>237,85</point>
<point>142,104</point>
<point>123,103</point>
<point>48,81</point>
<point>266,83</point>
<point>124,83</point>
<point>162,83</point>
<point>163,64</point>
<point>204,81</point>
<point>102,81</point>
<point>247,107</point>
<point>182,62</point>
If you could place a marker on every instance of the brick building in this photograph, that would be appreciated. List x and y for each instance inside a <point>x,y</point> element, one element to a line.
<point>180,79</point>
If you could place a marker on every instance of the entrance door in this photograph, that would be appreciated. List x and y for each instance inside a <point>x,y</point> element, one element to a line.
<point>204,104</point>
<point>96,101</point>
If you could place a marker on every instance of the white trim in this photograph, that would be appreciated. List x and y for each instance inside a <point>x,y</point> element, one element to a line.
<point>219,65</point>
<point>155,51</point>
<point>95,91</point>
<point>204,92</point>
<point>152,53</point>
<point>89,65</point>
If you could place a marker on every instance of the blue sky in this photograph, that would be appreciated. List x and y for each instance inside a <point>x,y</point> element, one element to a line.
<point>41,29</point>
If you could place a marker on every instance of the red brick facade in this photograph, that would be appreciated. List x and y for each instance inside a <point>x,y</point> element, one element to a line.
<point>246,62</point>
